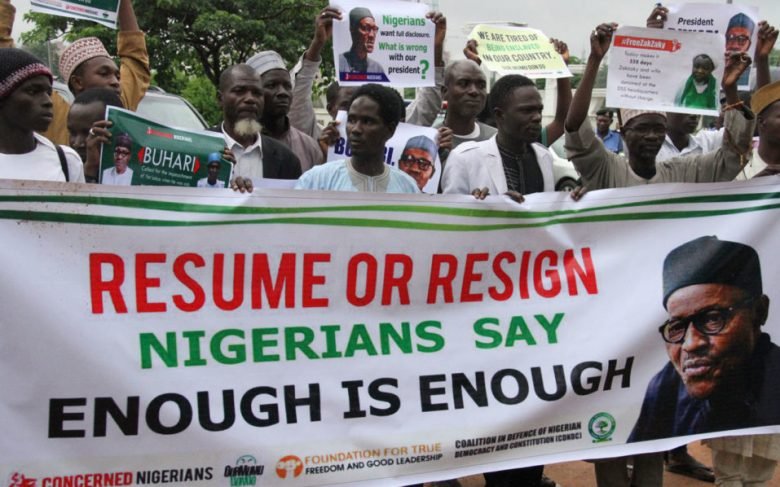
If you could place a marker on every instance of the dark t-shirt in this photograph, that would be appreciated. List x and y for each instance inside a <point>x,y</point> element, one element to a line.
<point>522,171</point>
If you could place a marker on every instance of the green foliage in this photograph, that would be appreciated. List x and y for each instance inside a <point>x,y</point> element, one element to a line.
<point>774,57</point>
<point>47,54</point>
<point>203,95</point>
<point>200,37</point>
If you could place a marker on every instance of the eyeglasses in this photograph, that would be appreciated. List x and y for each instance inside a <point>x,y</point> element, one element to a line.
<point>122,151</point>
<point>368,29</point>
<point>739,39</point>
<point>708,322</point>
<point>422,163</point>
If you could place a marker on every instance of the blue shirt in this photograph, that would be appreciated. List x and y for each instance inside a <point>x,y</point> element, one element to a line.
<point>341,176</point>
<point>612,141</point>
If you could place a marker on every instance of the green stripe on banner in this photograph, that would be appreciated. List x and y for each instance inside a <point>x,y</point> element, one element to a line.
<point>54,217</point>
<point>426,209</point>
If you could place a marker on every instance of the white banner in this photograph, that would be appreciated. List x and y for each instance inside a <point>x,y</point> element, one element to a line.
<point>202,337</point>
<point>654,69</point>
<point>103,12</point>
<point>388,42</point>
<point>412,149</point>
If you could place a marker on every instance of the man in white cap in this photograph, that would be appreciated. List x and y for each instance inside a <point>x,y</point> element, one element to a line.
<point>87,64</point>
<point>277,99</point>
<point>643,134</point>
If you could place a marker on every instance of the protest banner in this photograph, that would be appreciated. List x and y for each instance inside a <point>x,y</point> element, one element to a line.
<point>104,12</point>
<point>654,69</point>
<point>386,42</point>
<point>145,153</point>
<point>407,143</point>
<point>736,24</point>
<point>518,50</point>
<point>374,339</point>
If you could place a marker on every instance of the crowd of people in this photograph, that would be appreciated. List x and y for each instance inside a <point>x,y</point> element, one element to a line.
<point>488,143</point>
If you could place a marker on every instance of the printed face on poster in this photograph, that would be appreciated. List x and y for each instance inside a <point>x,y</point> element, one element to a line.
<point>145,153</point>
<point>518,50</point>
<point>412,149</point>
<point>737,26</point>
<point>654,69</point>
<point>390,42</point>
<point>104,12</point>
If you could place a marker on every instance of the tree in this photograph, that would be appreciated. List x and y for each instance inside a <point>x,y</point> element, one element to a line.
<point>199,37</point>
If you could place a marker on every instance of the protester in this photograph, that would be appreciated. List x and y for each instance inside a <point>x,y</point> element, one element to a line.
<point>374,114</point>
<point>277,90</point>
<point>610,138</point>
<point>86,64</point>
<point>554,130</point>
<point>240,96</point>
<point>511,160</point>
<point>26,108</point>
<point>88,128</point>
<point>701,88</point>
<point>643,133</point>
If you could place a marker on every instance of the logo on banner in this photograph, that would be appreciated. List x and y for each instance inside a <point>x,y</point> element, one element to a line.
<point>601,427</point>
<point>245,472</point>
<point>19,480</point>
<point>289,467</point>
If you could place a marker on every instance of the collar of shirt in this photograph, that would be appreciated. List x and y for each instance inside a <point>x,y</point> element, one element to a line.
<point>239,149</point>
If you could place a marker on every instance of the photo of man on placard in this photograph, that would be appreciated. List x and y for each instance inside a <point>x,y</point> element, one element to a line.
<point>120,174</point>
<point>363,30</point>
<point>722,370</point>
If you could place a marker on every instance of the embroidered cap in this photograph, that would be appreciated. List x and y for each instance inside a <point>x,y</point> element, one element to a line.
<point>82,50</point>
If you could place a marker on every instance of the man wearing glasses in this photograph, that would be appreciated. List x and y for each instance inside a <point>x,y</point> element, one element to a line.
<point>363,29</point>
<point>722,371</point>
<point>120,174</point>
<point>739,32</point>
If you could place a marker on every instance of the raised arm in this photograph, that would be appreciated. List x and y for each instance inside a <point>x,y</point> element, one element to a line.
<point>301,113</point>
<point>600,39</point>
<point>126,17</point>
<point>555,128</point>
<point>135,72</point>
<point>767,36</point>
<point>427,101</point>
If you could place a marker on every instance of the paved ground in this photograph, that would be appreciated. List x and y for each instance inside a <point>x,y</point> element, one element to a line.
<point>580,474</point>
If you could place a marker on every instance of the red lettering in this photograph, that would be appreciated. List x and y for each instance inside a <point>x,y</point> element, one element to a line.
<point>400,282</point>
<point>502,276</point>
<point>353,267</point>
<point>525,264</point>
<point>587,276</point>
<point>551,274</point>
<point>180,271</point>
<point>310,280</point>
<point>98,285</point>
<point>470,277</point>
<point>143,283</point>
<point>263,285</point>
<point>238,282</point>
<point>442,281</point>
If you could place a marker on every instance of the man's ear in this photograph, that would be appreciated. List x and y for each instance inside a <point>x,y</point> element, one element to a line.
<point>762,309</point>
<point>75,83</point>
<point>443,92</point>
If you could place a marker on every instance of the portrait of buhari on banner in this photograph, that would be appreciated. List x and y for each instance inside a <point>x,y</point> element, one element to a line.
<point>383,42</point>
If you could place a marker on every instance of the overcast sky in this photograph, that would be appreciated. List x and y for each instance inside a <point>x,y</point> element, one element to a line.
<point>569,20</point>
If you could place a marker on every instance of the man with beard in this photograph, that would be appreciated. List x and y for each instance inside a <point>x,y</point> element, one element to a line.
<point>88,128</point>
<point>26,108</point>
<point>256,156</point>
<point>363,29</point>
<point>643,135</point>
<point>277,89</point>
<point>512,160</point>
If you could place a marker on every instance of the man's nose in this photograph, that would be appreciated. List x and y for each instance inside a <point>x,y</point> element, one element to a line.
<point>694,339</point>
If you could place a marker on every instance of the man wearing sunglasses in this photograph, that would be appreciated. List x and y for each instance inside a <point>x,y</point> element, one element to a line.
<point>417,159</point>
<point>722,370</point>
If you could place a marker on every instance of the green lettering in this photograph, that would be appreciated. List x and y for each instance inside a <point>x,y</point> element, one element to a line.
<point>518,330</point>
<point>291,342</point>
<point>193,337</point>
<point>402,340</point>
<point>437,341</point>
<point>330,341</point>
<point>237,350</point>
<point>359,339</point>
<point>166,353</point>
<point>480,328</point>
<point>550,328</point>
<point>259,343</point>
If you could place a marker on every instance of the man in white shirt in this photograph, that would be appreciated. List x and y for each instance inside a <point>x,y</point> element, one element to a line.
<point>680,139</point>
<point>211,181</point>
<point>26,107</point>
<point>120,174</point>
